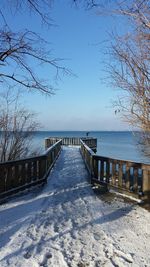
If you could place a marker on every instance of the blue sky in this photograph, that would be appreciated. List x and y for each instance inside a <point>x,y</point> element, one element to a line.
<point>83,101</point>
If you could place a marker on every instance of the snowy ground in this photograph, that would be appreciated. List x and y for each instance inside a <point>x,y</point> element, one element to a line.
<point>65,224</point>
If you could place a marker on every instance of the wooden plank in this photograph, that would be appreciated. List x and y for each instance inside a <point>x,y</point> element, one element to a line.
<point>20,174</point>
<point>120,174</point>
<point>28,170</point>
<point>102,170</point>
<point>42,168</point>
<point>2,179</point>
<point>10,182</point>
<point>23,174</point>
<point>113,182</point>
<point>146,185</point>
<point>135,179</point>
<point>33,170</point>
<point>95,168</point>
<point>127,179</point>
<point>107,171</point>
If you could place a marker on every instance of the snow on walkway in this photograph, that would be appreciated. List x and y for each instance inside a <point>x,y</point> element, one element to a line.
<point>65,224</point>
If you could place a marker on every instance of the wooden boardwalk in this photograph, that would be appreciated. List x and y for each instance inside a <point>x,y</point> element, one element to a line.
<point>65,224</point>
<point>131,178</point>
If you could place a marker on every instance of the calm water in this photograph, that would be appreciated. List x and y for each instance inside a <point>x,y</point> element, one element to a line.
<point>120,145</point>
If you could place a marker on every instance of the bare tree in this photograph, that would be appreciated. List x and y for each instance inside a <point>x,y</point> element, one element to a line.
<point>21,52</point>
<point>130,69</point>
<point>130,72</point>
<point>17,126</point>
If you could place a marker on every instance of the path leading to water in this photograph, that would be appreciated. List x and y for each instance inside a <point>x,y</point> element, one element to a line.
<point>65,224</point>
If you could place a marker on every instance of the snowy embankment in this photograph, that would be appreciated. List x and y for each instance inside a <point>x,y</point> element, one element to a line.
<point>65,224</point>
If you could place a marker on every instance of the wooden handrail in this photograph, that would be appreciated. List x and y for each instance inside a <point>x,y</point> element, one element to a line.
<point>125,176</point>
<point>20,174</point>
<point>75,141</point>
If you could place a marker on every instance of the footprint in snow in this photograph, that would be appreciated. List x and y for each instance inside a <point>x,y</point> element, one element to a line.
<point>126,257</point>
<point>117,257</point>
<point>83,264</point>
<point>32,232</point>
<point>47,256</point>
<point>27,255</point>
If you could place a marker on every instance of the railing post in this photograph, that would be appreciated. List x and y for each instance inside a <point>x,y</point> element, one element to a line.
<point>91,166</point>
<point>127,176</point>
<point>107,170</point>
<point>2,179</point>
<point>95,168</point>
<point>102,171</point>
<point>28,172</point>
<point>135,179</point>
<point>47,143</point>
<point>113,173</point>
<point>120,175</point>
<point>23,174</point>
<point>146,184</point>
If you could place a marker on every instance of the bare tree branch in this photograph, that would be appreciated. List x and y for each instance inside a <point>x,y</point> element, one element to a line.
<point>17,49</point>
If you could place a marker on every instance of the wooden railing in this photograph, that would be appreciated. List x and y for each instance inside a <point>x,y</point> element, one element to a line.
<point>21,174</point>
<point>90,142</point>
<point>128,177</point>
<point>75,141</point>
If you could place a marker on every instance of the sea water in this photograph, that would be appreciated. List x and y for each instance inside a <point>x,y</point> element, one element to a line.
<point>119,145</point>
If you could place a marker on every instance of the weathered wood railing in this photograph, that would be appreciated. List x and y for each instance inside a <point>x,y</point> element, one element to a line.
<point>129,177</point>
<point>75,141</point>
<point>21,174</point>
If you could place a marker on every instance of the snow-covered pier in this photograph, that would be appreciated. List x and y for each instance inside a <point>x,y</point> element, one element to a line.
<point>132,178</point>
<point>65,224</point>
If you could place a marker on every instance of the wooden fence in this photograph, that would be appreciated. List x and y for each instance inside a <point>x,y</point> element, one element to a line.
<point>21,174</point>
<point>73,141</point>
<point>129,177</point>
